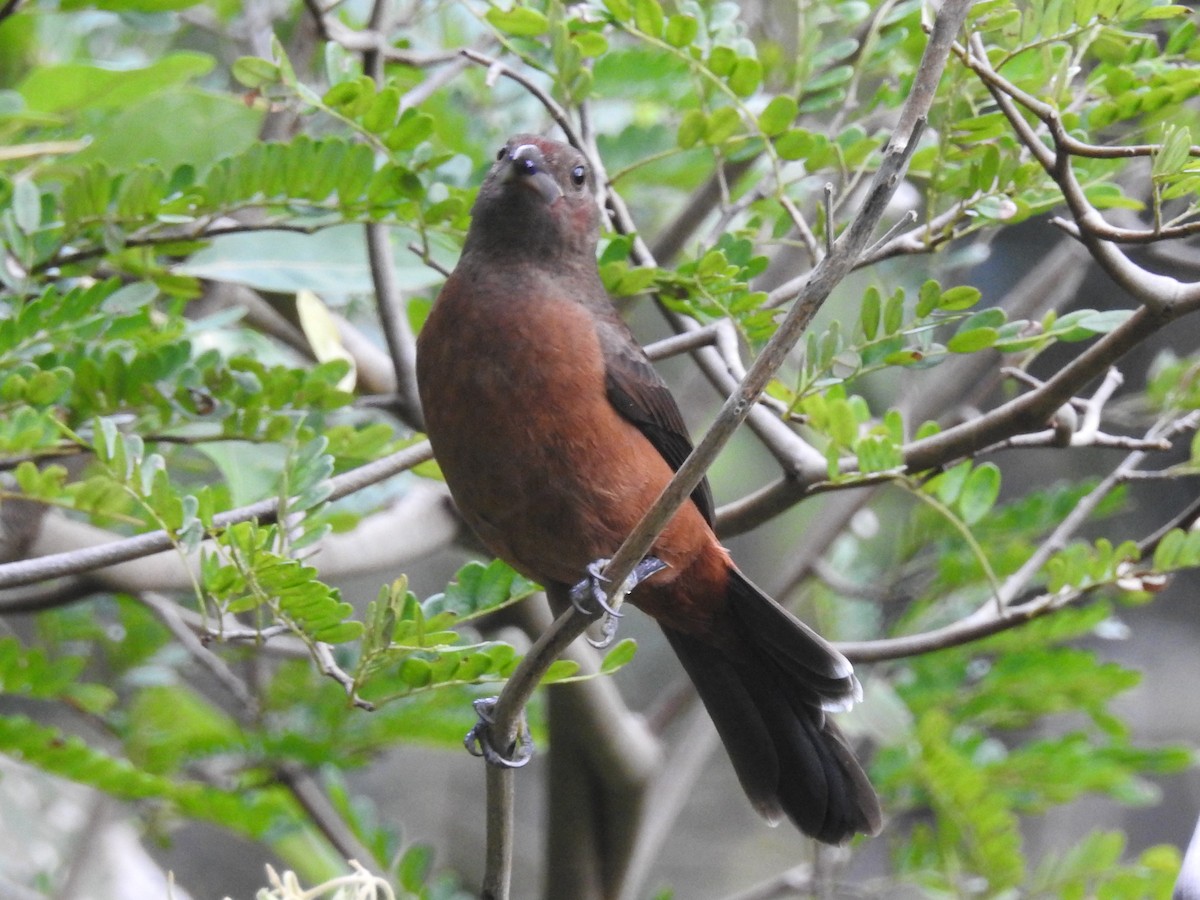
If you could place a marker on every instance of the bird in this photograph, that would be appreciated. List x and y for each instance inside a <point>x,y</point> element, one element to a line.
<point>555,433</point>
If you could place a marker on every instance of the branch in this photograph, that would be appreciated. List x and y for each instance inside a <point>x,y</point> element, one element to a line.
<point>396,330</point>
<point>1162,294</point>
<point>298,781</point>
<point>308,793</point>
<point>9,8</point>
<point>169,613</point>
<point>74,562</point>
<point>497,69</point>
<point>987,620</point>
<point>1187,885</point>
<point>371,40</point>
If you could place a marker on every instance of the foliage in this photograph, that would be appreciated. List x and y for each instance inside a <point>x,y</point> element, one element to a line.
<point>154,156</point>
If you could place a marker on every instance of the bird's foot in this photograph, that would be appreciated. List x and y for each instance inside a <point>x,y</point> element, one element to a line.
<point>590,590</point>
<point>479,743</point>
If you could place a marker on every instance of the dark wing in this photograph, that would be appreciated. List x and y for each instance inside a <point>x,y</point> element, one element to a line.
<point>639,394</point>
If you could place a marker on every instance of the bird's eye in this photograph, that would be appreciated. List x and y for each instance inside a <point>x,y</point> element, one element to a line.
<point>501,152</point>
<point>578,174</point>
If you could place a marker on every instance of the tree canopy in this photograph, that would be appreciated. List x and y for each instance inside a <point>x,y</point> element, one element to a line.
<point>935,259</point>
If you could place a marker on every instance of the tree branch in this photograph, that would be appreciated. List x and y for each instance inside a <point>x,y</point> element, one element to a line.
<point>74,562</point>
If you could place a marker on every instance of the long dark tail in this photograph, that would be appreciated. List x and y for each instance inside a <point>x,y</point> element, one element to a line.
<point>768,690</point>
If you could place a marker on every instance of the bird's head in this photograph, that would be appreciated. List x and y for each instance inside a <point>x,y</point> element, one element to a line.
<point>538,198</point>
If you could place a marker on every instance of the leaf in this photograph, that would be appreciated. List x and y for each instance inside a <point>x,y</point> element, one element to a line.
<point>972,341</point>
<point>148,130</point>
<point>948,486</point>
<point>255,72</point>
<point>331,264</point>
<point>477,589</point>
<point>959,298</point>
<point>746,76</point>
<point>869,314</point>
<point>648,17</point>
<point>691,128</point>
<point>979,493</point>
<point>322,334</point>
<point>520,21</point>
<point>26,204</point>
<point>250,813</point>
<point>415,867</point>
<point>618,656</point>
<point>778,116</point>
<point>722,124</point>
<point>75,86</point>
<point>681,30</point>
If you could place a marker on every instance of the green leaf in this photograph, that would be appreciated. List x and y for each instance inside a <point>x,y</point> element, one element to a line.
<point>869,314</point>
<point>927,300</point>
<point>691,128</point>
<point>778,116</point>
<point>979,493</point>
<point>948,485</point>
<point>959,298</point>
<point>250,813</point>
<point>26,204</point>
<point>415,867</point>
<point>618,656</point>
<point>893,313</point>
<point>972,341</point>
<point>75,86</point>
<point>681,30</point>
<point>722,124</point>
<point>520,21</point>
<point>648,17</point>
<point>746,76</point>
<point>254,71</point>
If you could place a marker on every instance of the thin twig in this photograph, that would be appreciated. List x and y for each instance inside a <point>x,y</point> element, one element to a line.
<point>323,654</point>
<point>309,794</point>
<point>396,330</point>
<point>560,116</point>
<point>168,612</point>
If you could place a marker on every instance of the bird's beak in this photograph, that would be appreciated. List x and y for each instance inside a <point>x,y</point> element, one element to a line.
<point>527,167</point>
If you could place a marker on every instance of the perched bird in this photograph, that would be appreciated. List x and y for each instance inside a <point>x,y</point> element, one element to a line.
<point>555,434</point>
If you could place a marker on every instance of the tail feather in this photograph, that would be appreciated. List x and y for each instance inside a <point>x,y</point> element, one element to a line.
<point>767,689</point>
<point>817,668</point>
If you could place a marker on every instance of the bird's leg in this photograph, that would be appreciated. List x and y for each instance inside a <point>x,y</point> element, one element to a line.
<point>591,588</point>
<point>478,742</point>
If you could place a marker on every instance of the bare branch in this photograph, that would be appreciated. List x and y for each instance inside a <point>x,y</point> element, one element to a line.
<point>396,330</point>
<point>323,654</point>
<point>497,69</point>
<point>169,613</point>
<point>308,793</point>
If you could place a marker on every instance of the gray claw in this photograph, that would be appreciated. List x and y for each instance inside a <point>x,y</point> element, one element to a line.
<point>478,741</point>
<point>591,589</point>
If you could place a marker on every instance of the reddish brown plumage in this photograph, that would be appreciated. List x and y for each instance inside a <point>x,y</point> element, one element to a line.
<point>555,434</point>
